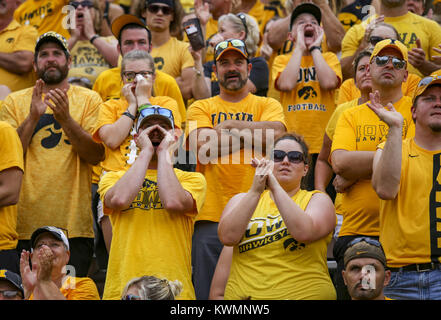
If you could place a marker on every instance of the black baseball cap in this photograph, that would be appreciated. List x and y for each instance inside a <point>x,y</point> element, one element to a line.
<point>13,278</point>
<point>306,8</point>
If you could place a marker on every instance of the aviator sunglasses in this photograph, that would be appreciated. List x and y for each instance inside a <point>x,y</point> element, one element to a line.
<point>396,62</point>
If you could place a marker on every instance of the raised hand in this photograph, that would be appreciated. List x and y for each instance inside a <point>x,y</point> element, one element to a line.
<point>318,36</point>
<point>263,169</point>
<point>28,275</point>
<point>45,263</point>
<point>143,89</point>
<point>417,56</point>
<point>38,106</point>
<point>300,39</point>
<point>58,101</point>
<point>387,114</point>
<point>202,10</point>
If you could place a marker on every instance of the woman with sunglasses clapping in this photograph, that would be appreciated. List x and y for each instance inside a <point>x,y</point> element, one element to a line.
<point>279,232</point>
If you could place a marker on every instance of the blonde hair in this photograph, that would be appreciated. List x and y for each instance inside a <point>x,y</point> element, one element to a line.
<point>252,33</point>
<point>135,55</point>
<point>153,288</point>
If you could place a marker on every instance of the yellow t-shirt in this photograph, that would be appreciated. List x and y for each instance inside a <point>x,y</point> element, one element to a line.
<point>110,111</point>
<point>11,156</point>
<point>87,61</point>
<point>410,224</point>
<point>109,85</point>
<point>268,263</point>
<point>348,91</point>
<point>410,27</point>
<point>360,129</point>
<point>147,239</point>
<point>262,14</point>
<point>56,188</point>
<point>74,288</point>
<point>225,179</point>
<point>308,103</point>
<point>330,130</point>
<point>16,37</point>
<point>44,15</point>
<point>210,30</point>
<point>172,57</point>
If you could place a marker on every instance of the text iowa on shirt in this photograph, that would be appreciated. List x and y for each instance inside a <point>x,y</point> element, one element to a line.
<point>219,117</point>
<point>148,197</point>
<point>264,231</point>
<point>375,132</point>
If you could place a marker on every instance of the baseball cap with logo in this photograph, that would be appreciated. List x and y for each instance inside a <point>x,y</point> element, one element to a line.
<point>425,83</point>
<point>52,36</point>
<point>13,278</point>
<point>364,247</point>
<point>390,43</point>
<point>229,45</point>
<point>56,232</point>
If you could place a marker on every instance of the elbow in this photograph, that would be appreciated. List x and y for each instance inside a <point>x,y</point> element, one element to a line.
<point>329,85</point>
<point>285,85</point>
<point>383,192</point>
<point>227,237</point>
<point>175,207</point>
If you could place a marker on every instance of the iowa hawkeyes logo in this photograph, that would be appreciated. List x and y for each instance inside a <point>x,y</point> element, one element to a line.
<point>54,130</point>
<point>293,244</point>
<point>159,62</point>
<point>307,92</point>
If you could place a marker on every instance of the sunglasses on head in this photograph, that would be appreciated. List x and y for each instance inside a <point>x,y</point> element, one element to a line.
<point>84,4</point>
<point>150,110</point>
<point>131,297</point>
<point>367,240</point>
<point>242,18</point>
<point>396,62</point>
<point>373,40</point>
<point>131,75</point>
<point>427,80</point>
<point>293,156</point>
<point>153,8</point>
<point>235,43</point>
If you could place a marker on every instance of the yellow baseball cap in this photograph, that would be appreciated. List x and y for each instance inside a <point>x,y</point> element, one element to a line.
<point>389,43</point>
<point>426,82</point>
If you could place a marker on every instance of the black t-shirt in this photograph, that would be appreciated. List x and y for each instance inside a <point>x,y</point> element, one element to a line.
<point>259,76</point>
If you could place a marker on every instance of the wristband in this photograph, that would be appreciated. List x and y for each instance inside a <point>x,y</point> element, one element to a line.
<point>128,114</point>
<point>93,38</point>
<point>315,47</point>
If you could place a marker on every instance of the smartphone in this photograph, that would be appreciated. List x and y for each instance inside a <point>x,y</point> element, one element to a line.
<point>193,30</point>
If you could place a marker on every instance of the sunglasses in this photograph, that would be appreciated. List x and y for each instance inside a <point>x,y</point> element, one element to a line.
<point>151,110</point>
<point>427,80</point>
<point>153,8</point>
<point>84,4</point>
<point>235,43</point>
<point>10,294</point>
<point>131,75</point>
<point>367,240</point>
<point>131,297</point>
<point>373,40</point>
<point>242,18</point>
<point>293,156</point>
<point>396,62</point>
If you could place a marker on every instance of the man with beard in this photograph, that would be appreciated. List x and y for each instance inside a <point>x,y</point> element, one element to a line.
<point>54,121</point>
<point>419,34</point>
<point>365,272</point>
<point>307,80</point>
<point>17,49</point>
<point>357,134</point>
<point>406,177</point>
<point>224,131</point>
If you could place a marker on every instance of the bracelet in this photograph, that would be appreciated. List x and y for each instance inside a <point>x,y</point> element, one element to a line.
<point>93,38</point>
<point>128,114</point>
<point>315,47</point>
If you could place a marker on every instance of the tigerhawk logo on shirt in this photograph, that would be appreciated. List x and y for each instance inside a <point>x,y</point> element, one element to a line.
<point>264,231</point>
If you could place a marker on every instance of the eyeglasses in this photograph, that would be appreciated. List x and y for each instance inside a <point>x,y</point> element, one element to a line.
<point>242,18</point>
<point>153,8</point>
<point>367,240</point>
<point>373,40</point>
<point>293,156</point>
<point>131,75</point>
<point>10,294</point>
<point>84,4</point>
<point>131,297</point>
<point>383,60</point>
<point>151,110</point>
<point>235,43</point>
